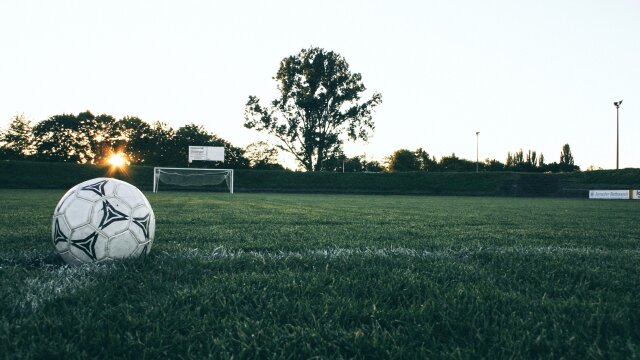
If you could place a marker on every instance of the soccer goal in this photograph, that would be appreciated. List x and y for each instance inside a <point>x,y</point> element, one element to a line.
<point>192,177</point>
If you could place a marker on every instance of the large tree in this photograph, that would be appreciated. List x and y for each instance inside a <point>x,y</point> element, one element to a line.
<point>427,163</point>
<point>152,144</point>
<point>130,135</point>
<point>84,138</point>
<point>453,163</point>
<point>566,160</point>
<point>100,134</point>
<point>403,160</point>
<point>17,141</point>
<point>57,139</point>
<point>319,106</point>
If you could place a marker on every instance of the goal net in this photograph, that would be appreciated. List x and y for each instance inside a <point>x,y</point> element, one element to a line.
<point>192,177</point>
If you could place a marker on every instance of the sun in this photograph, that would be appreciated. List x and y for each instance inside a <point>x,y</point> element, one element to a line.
<point>117,160</point>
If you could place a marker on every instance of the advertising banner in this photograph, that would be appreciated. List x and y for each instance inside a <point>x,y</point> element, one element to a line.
<point>610,194</point>
<point>206,153</point>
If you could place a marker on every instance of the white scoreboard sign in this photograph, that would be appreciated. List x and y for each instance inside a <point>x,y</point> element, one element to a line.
<point>206,153</point>
<point>614,194</point>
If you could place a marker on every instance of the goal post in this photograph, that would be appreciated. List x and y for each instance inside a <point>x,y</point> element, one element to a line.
<point>192,177</point>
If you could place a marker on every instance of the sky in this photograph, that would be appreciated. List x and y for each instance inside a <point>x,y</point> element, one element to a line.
<point>531,75</point>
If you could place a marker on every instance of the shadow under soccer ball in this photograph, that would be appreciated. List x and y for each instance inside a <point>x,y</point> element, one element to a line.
<point>100,220</point>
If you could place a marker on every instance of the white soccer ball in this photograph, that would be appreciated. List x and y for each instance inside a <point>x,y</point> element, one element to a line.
<point>101,220</point>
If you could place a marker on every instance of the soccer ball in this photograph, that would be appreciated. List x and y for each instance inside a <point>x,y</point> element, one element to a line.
<point>101,220</point>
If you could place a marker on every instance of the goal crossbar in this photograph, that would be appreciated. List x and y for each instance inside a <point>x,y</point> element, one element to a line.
<point>192,177</point>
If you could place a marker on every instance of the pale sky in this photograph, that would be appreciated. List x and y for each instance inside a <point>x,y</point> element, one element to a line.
<point>526,74</point>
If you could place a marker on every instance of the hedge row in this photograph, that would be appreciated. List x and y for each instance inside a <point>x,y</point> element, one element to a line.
<point>26,174</point>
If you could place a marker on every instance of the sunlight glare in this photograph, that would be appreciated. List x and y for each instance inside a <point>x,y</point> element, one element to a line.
<point>117,160</point>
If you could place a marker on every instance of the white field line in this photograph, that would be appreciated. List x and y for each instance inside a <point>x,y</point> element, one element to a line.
<point>31,257</point>
<point>41,259</point>
<point>397,252</point>
<point>56,282</point>
<point>48,281</point>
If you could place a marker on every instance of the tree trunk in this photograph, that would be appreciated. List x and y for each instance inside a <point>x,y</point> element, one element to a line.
<point>320,159</point>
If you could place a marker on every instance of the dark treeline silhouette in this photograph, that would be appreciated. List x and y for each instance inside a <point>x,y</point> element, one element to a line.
<point>89,139</point>
<point>420,160</point>
<point>342,163</point>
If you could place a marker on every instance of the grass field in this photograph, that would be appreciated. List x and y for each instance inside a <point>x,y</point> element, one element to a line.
<point>299,276</point>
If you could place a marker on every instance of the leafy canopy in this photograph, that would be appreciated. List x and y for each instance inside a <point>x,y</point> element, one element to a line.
<point>16,141</point>
<point>87,138</point>
<point>319,105</point>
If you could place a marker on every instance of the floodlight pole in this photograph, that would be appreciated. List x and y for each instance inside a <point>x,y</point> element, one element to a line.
<point>617,105</point>
<point>477,141</point>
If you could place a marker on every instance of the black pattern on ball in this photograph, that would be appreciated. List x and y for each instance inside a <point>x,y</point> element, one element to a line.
<point>87,245</point>
<point>143,223</point>
<point>97,188</point>
<point>59,236</point>
<point>110,215</point>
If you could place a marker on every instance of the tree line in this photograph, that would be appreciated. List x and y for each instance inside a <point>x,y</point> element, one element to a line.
<point>86,138</point>
<point>519,161</point>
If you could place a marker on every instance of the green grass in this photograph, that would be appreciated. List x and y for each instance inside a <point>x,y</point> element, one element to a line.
<point>330,276</point>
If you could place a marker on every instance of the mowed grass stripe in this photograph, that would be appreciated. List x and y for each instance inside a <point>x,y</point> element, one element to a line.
<point>282,276</point>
